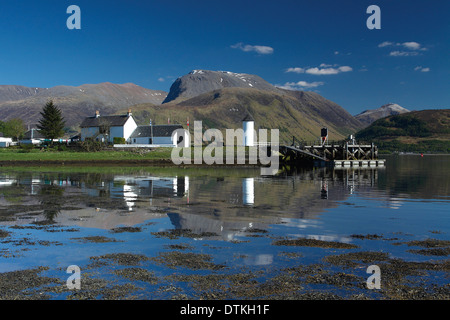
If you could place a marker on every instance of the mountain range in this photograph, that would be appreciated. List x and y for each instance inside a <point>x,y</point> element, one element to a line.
<point>75,102</point>
<point>415,131</point>
<point>221,99</point>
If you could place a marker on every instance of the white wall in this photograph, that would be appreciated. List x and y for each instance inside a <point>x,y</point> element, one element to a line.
<point>115,132</point>
<point>31,141</point>
<point>129,128</point>
<point>140,140</point>
<point>156,140</point>
<point>88,132</point>
<point>5,142</point>
<point>162,140</point>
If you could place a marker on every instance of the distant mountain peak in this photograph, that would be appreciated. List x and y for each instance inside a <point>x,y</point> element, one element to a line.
<point>368,116</point>
<point>200,81</point>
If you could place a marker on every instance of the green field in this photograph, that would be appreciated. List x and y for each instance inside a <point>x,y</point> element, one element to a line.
<point>18,154</point>
<point>27,155</point>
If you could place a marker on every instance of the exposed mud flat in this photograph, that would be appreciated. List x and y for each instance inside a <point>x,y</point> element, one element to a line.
<point>197,276</point>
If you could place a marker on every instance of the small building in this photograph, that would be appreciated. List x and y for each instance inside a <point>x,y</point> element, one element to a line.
<point>162,135</point>
<point>106,128</point>
<point>33,136</point>
<point>4,141</point>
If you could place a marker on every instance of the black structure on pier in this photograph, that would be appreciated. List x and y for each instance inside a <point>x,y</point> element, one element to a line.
<point>325,151</point>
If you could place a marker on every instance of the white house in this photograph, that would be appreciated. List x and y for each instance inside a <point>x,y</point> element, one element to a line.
<point>106,128</point>
<point>4,141</point>
<point>158,135</point>
<point>32,136</point>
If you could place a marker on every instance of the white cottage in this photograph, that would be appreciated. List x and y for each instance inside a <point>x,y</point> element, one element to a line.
<point>106,128</point>
<point>32,136</point>
<point>5,141</point>
<point>162,135</point>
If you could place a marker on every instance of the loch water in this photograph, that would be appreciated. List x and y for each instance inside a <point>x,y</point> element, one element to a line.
<point>231,214</point>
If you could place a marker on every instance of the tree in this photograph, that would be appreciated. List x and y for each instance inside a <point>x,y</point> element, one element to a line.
<point>52,123</point>
<point>14,128</point>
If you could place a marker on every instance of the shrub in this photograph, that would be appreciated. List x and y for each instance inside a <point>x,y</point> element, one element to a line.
<point>91,145</point>
<point>26,147</point>
<point>118,140</point>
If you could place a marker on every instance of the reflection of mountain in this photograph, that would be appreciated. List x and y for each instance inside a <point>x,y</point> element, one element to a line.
<point>414,176</point>
<point>231,207</point>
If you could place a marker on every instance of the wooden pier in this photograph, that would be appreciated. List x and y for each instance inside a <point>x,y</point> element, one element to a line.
<point>338,154</point>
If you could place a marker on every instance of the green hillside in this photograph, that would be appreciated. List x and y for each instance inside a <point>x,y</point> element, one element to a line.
<point>417,131</point>
<point>299,114</point>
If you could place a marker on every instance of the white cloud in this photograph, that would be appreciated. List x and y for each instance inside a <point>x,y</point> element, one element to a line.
<point>409,49</point>
<point>249,48</point>
<point>422,69</point>
<point>412,45</point>
<point>296,70</point>
<point>385,44</point>
<point>403,53</point>
<point>324,69</point>
<point>300,85</point>
<point>161,79</point>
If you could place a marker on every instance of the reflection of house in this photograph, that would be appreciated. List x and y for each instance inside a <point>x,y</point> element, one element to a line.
<point>106,128</point>
<point>33,136</point>
<point>131,188</point>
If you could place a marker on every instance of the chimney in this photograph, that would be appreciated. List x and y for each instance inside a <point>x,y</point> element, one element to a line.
<point>97,114</point>
<point>129,113</point>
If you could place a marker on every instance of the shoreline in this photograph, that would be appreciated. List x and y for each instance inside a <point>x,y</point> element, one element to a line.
<point>146,162</point>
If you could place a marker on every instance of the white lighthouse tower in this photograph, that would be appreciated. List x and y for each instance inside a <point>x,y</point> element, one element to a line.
<point>248,124</point>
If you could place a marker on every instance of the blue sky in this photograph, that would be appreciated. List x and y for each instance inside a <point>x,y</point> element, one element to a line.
<point>321,45</point>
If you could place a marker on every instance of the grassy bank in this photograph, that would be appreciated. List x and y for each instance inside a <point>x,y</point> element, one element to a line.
<point>55,155</point>
<point>157,156</point>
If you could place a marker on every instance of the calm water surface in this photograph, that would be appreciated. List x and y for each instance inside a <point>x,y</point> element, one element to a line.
<point>235,212</point>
